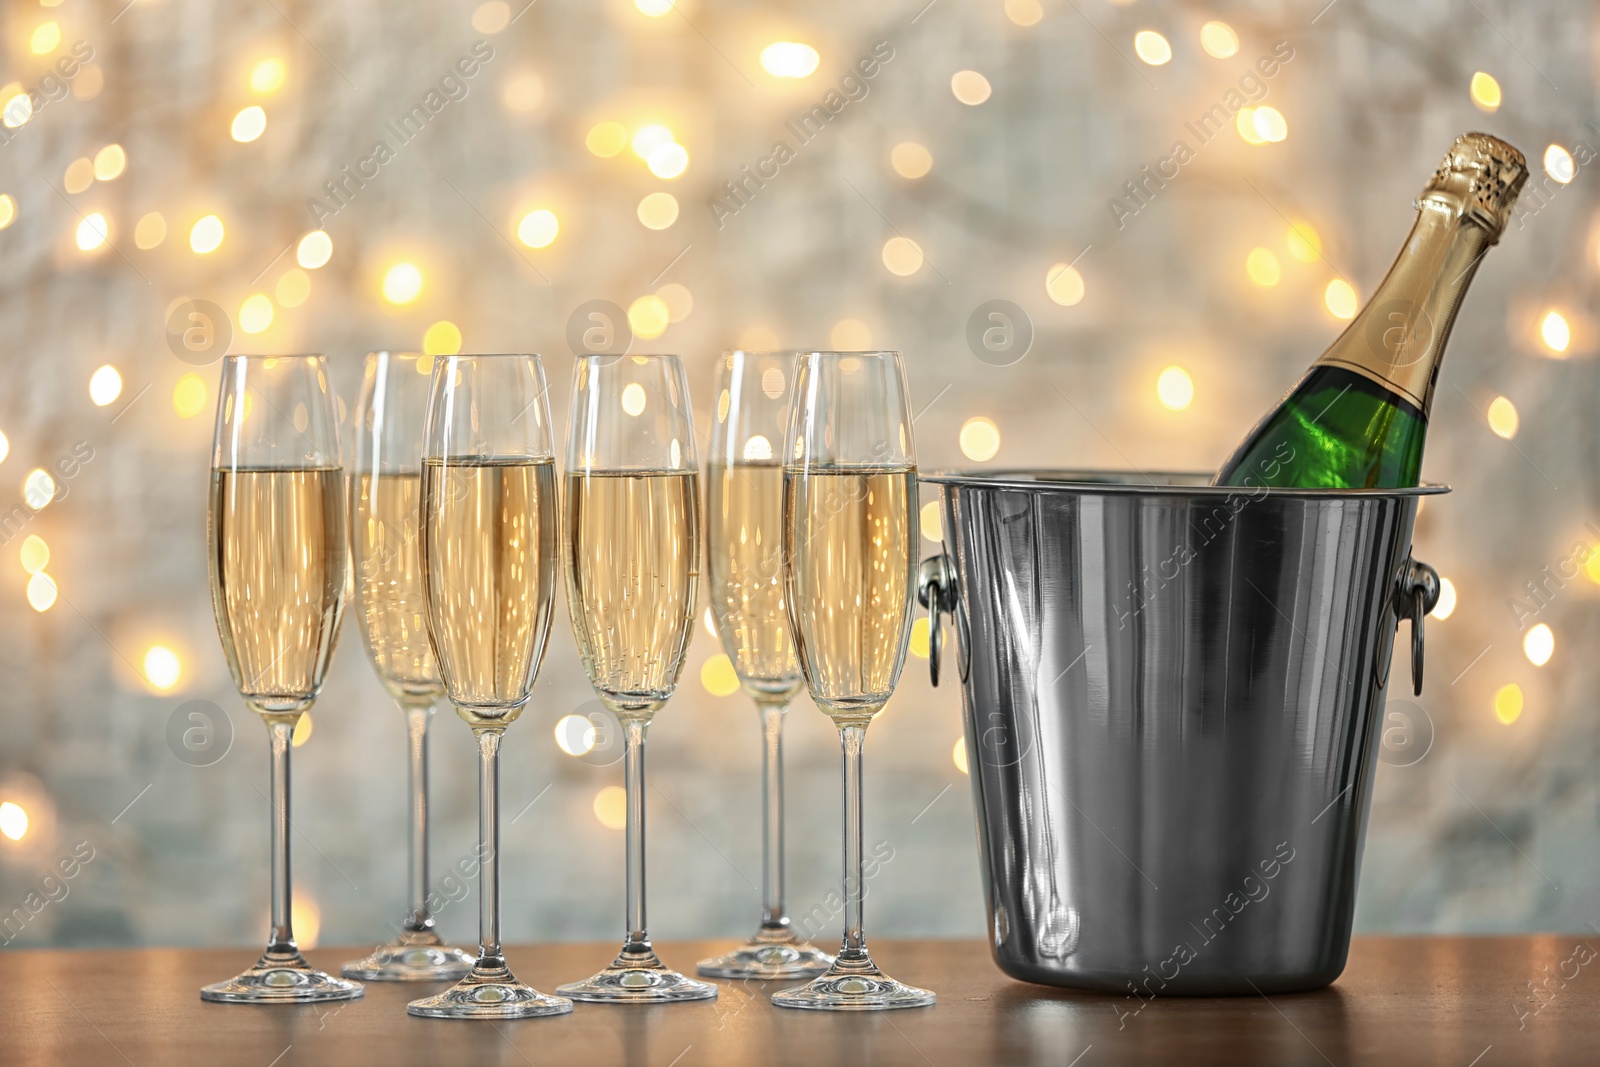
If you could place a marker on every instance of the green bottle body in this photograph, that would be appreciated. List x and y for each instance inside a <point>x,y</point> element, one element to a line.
<point>1336,429</point>
<point>1359,417</point>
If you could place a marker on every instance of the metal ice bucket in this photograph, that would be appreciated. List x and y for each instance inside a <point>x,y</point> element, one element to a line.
<point>1173,697</point>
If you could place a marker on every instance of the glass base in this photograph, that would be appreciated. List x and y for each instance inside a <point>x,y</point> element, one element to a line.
<point>414,956</point>
<point>489,992</point>
<point>281,978</point>
<point>776,954</point>
<point>638,978</point>
<point>854,986</point>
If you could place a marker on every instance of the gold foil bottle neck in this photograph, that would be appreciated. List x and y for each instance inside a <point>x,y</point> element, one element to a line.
<point>1479,179</point>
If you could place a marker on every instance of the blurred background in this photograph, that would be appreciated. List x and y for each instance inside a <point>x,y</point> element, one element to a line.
<point>716,173</point>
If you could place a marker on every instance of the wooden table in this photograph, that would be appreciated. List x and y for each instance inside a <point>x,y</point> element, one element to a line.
<point>1450,1001</point>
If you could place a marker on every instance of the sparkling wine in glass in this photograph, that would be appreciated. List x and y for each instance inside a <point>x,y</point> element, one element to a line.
<point>488,537</point>
<point>633,571</point>
<point>385,542</point>
<point>850,563</point>
<point>744,524</point>
<point>275,534</point>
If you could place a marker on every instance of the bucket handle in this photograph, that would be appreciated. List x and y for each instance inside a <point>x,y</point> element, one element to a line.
<point>1417,593</point>
<point>936,591</point>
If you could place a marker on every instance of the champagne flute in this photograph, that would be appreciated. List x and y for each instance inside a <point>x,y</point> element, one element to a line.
<point>275,534</point>
<point>744,497</point>
<point>850,566</point>
<point>633,569</point>
<point>387,490</point>
<point>488,533</point>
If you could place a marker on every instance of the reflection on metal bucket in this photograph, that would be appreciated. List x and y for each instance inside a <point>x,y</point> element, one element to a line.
<point>1172,695</point>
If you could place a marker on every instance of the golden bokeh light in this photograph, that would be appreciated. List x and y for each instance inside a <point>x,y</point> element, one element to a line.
<point>958,755</point>
<point>255,314</point>
<point>657,211</point>
<point>34,554</point>
<point>110,162</point>
<point>789,59</point>
<point>315,249</point>
<point>649,137</point>
<point>679,300</point>
<point>668,160</point>
<point>653,8</point>
<point>1446,606</point>
<point>648,316</point>
<point>294,288</point>
<point>38,489</point>
<point>8,210</point>
<point>267,75</point>
<point>302,730</point>
<point>538,228</point>
<point>1174,388</point>
<point>78,176</point>
<point>611,807</point>
<point>606,139</point>
<point>1063,284</point>
<point>402,283</point>
<point>205,236</point>
<point>1508,703</point>
<point>980,439</point>
<point>443,338</point>
<point>523,92</point>
<point>902,256</point>
<point>1269,124</point>
<point>1024,12</point>
<point>575,735</point>
<point>13,820</point>
<point>850,335</point>
<point>189,396</point>
<point>1559,164</point>
<point>718,676</point>
<point>46,38</point>
<point>1245,123</point>
<point>162,667</point>
<point>1555,332</point>
<point>1539,644</point>
<point>917,645</point>
<point>1263,267</point>
<point>491,17</point>
<point>1503,417</point>
<point>41,592</point>
<point>5,447</point>
<point>970,87</point>
<point>16,106</point>
<point>249,124</point>
<point>1151,47</point>
<point>1219,40</point>
<point>305,917</point>
<point>105,385</point>
<point>150,231</point>
<point>1340,299</point>
<point>1485,92</point>
<point>1303,241</point>
<point>931,518</point>
<point>910,159</point>
<point>93,230</point>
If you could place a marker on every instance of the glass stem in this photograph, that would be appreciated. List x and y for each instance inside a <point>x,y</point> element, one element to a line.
<point>489,955</point>
<point>773,917</point>
<point>638,942</point>
<point>852,738</point>
<point>417,715</point>
<point>281,941</point>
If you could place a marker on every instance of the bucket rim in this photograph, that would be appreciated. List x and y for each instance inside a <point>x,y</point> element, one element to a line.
<point>1147,483</point>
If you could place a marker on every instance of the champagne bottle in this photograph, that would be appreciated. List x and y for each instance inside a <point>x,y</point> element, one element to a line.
<point>1358,417</point>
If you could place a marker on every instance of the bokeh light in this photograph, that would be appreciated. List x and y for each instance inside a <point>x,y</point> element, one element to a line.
<point>93,231</point>
<point>315,249</point>
<point>267,75</point>
<point>611,807</point>
<point>293,288</point>
<point>970,87</point>
<point>1559,164</point>
<point>402,283</point>
<point>931,519</point>
<point>1446,606</point>
<point>1219,40</point>
<point>189,396</point>
<point>1263,267</point>
<point>443,338</point>
<point>668,160</point>
<point>1303,241</point>
<point>34,555</point>
<point>606,139</point>
<point>1024,12</point>
<point>255,314</point>
<point>150,231</point>
<point>789,59</point>
<point>1174,388</point>
<point>980,439</point>
<point>1063,284</point>
<point>105,385</point>
<point>523,92</point>
<point>718,676</point>
<point>538,228</point>
<point>1503,417</point>
<point>850,335</point>
<point>902,256</point>
<point>13,820</point>
<point>1151,47</point>
<point>1539,644</point>
<point>1485,92</point>
<point>657,211</point>
<point>1555,332</point>
<point>1340,299</point>
<point>1508,703</point>
<point>38,489</point>
<point>249,124</point>
<point>910,159</point>
<point>649,316</point>
<point>8,210</point>
<point>205,236</point>
<point>110,162</point>
<point>958,755</point>
<point>41,592</point>
<point>162,667</point>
